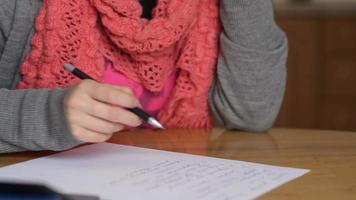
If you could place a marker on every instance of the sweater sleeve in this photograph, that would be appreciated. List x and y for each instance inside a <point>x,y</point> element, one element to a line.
<point>29,119</point>
<point>34,120</point>
<point>251,73</point>
<point>2,40</point>
<point>6,16</point>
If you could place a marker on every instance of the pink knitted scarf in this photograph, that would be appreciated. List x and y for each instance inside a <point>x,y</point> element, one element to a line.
<point>181,38</point>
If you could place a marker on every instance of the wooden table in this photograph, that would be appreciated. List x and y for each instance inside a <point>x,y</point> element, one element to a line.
<point>331,155</point>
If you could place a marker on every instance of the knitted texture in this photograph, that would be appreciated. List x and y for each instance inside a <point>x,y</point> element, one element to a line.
<point>182,37</point>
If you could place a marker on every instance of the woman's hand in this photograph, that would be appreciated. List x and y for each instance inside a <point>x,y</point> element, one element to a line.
<point>95,111</point>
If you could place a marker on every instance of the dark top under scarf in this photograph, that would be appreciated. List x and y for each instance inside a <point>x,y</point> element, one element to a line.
<point>147,6</point>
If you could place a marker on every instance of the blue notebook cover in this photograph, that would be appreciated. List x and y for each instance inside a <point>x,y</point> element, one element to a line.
<point>18,191</point>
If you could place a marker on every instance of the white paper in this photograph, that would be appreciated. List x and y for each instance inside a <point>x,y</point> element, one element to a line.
<point>116,172</point>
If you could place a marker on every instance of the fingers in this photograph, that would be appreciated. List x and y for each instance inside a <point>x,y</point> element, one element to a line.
<point>90,136</point>
<point>120,96</point>
<point>112,113</point>
<point>95,124</point>
<point>95,111</point>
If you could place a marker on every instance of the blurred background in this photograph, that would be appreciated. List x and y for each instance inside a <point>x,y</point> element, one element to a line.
<point>321,88</point>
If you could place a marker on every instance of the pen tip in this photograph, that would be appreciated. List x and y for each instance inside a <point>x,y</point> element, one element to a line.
<point>69,67</point>
<point>155,123</point>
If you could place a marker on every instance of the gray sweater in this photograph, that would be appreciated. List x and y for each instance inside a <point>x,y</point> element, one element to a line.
<point>246,94</point>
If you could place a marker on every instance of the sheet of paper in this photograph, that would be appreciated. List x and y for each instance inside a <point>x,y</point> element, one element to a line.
<point>116,172</point>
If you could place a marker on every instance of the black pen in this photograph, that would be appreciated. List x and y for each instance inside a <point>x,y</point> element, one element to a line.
<point>138,111</point>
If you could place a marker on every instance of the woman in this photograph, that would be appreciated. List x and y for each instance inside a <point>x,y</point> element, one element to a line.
<point>170,64</point>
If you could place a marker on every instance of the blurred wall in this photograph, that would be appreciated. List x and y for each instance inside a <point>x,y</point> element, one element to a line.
<point>321,88</point>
